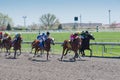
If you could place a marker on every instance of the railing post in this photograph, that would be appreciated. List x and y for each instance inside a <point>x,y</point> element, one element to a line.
<point>103,50</point>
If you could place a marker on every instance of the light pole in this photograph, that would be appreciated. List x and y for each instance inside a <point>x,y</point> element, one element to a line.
<point>24,18</point>
<point>80,20</point>
<point>109,11</point>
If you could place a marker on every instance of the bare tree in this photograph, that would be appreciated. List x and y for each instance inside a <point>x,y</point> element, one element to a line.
<point>4,20</point>
<point>48,20</point>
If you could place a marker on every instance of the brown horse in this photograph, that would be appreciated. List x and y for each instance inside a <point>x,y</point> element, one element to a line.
<point>74,46</point>
<point>47,46</point>
<point>17,46</point>
<point>7,44</point>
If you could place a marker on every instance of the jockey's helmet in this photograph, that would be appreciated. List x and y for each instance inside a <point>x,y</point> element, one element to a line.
<point>43,34</point>
<point>17,35</point>
<point>78,32</point>
<point>6,34</point>
<point>47,33</point>
<point>86,31</point>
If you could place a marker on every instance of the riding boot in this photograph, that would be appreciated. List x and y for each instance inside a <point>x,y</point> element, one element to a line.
<point>43,44</point>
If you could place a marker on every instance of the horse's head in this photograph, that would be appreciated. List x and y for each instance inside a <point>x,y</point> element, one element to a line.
<point>90,36</point>
<point>19,40</point>
<point>50,41</point>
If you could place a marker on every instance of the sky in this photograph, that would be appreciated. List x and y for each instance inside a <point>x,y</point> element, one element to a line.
<point>91,11</point>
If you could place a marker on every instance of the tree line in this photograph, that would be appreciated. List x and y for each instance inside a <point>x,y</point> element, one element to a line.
<point>47,21</point>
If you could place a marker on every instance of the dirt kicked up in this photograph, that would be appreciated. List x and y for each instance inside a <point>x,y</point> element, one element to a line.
<point>27,68</point>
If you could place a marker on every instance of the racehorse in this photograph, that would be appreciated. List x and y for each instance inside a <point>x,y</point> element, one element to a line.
<point>47,46</point>
<point>7,44</point>
<point>86,45</point>
<point>17,46</point>
<point>74,46</point>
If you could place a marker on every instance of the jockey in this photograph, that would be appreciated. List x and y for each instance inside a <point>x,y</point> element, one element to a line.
<point>87,33</point>
<point>17,35</point>
<point>41,38</point>
<point>47,35</point>
<point>44,37</point>
<point>82,35</point>
<point>75,36</point>
<point>6,35</point>
<point>71,37</point>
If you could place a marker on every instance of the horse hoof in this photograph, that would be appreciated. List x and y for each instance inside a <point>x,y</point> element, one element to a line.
<point>18,54</point>
<point>14,58</point>
<point>59,59</point>
<point>83,55</point>
<point>8,53</point>
<point>72,60</point>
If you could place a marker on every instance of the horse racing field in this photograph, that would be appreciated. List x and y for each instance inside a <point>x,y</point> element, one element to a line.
<point>111,50</point>
<point>25,67</point>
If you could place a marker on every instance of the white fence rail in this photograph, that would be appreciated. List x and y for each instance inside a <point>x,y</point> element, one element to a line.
<point>97,44</point>
<point>92,43</point>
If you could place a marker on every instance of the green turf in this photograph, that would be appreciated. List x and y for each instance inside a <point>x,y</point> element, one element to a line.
<point>61,36</point>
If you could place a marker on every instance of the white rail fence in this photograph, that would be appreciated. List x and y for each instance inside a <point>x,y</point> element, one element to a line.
<point>106,47</point>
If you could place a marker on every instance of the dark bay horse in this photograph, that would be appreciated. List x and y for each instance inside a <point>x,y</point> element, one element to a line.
<point>75,46</point>
<point>47,46</point>
<point>17,46</point>
<point>7,44</point>
<point>86,44</point>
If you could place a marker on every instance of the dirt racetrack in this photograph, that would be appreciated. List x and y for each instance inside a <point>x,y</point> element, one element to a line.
<point>27,68</point>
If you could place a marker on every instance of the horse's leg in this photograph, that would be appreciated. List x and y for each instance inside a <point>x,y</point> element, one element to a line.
<point>83,53</point>
<point>63,53</point>
<point>75,56</point>
<point>34,54</point>
<point>80,52</point>
<point>47,55</point>
<point>66,52</point>
<point>90,52</point>
<point>41,52</point>
<point>9,51</point>
<point>15,54</point>
<point>19,52</point>
<point>6,53</point>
